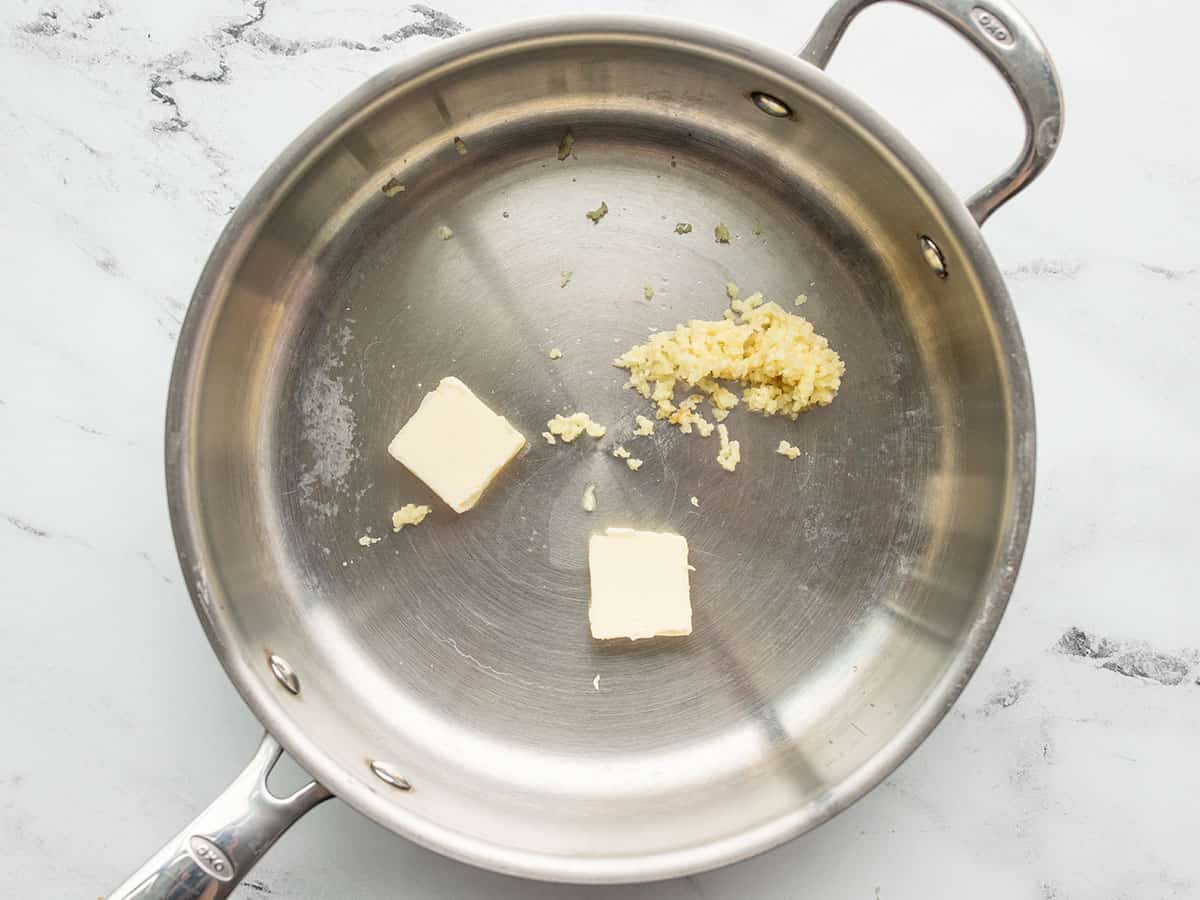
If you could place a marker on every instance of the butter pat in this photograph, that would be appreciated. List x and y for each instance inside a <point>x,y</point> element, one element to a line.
<point>639,584</point>
<point>455,444</point>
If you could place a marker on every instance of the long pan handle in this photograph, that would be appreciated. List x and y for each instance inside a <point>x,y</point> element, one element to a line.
<point>220,846</point>
<point>1000,33</point>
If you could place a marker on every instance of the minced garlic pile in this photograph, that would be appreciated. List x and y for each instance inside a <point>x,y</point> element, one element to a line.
<point>783,365</point>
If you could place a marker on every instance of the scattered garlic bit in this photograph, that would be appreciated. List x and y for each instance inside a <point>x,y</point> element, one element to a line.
<point>685,416</point>
<point>596,683</point>
<point>645,427</point>
<point>445,233</point>
<point>366,540</point>
<point>566,147</point>
<point>570,427</point>
<point>683,228</point>
<point>730,453</point>
<point>783,365</point>
<point>460,146</point>
<point>791,451</point>
<point>721,233</point>
<point>555,353</point>
<point>598,213</point>
<point>634,464</point>
<point>648,292</point>
<point>620,452</point>
<point>731,290</point>
<point>565,278</point>
<point>549,437</point>
<point>802,299</point>
<point>695,501</point>
<point>757,228</point>
<point>392,187</point>
<point>589,498</point>
<point>409,514</point>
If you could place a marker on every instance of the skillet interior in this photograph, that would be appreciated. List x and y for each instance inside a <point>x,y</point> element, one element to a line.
<point>840,600</point>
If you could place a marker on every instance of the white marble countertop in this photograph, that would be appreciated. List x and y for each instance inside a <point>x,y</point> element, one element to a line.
<point>128,131</point>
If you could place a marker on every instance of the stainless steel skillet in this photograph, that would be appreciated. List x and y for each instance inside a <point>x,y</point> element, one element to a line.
<point>442,681</point>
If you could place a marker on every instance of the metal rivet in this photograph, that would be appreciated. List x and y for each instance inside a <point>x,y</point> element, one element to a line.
<point>283,673</point>
<point>933,256</point>
<point>772,106</point>
<point>384,773</point>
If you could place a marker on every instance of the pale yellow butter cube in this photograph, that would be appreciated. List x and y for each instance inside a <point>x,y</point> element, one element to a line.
<point>639,584</point>
<point>455,444</point>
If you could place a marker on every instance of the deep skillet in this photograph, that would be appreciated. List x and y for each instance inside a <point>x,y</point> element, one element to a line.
<point>442,681</point>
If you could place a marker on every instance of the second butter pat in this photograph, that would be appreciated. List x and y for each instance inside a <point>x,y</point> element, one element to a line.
<point>639,584</point>
<point>455,444</point>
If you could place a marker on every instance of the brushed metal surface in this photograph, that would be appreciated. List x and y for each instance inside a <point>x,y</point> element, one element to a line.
<point>841,601</point>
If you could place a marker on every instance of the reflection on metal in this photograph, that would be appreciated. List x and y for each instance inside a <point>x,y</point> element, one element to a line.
<point>772,106</point>
<point>933,256</point>
<point>385,774</point>
<point>283,673</point>
<point>216,849</point>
